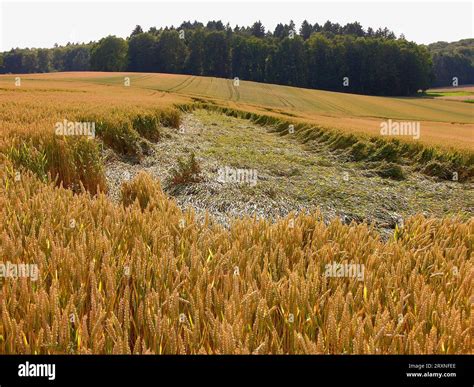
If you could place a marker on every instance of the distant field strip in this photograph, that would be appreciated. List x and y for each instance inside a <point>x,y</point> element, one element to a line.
<point>446,123</point>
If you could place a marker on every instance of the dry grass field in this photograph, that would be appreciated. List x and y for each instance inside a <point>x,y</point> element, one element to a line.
<point>142,274</point>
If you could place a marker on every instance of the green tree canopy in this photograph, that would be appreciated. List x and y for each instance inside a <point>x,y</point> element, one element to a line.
<point>109,54</point>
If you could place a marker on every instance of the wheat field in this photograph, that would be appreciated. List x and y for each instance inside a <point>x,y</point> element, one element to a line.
<point>145,276</point>
<point>148,278</point>
<point>447,124</point>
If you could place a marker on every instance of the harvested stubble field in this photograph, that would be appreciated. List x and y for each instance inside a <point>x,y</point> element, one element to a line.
<point>125,269</point>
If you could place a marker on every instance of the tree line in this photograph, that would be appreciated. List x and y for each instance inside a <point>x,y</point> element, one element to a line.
<point>454,59</point>
<point>330,56</point>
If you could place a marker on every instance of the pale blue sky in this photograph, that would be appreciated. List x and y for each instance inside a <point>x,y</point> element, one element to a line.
<point>41,24</point>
